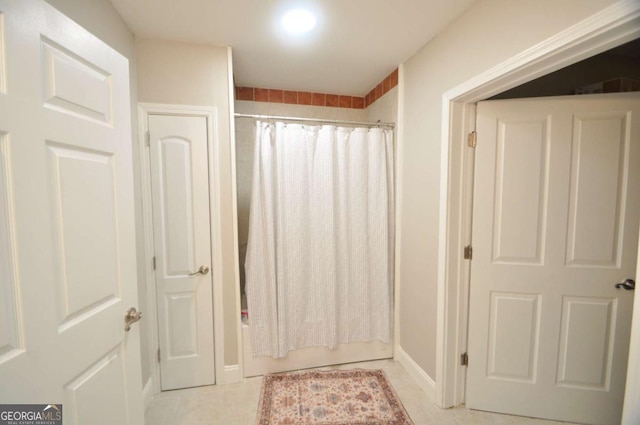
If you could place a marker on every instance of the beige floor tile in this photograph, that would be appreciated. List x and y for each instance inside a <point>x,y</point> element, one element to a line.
<point>162,411</point>
<point>237,404</point>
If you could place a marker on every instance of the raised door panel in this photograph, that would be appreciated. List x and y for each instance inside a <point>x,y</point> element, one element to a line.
<point>521,183</point>
<point>514,336</point>
<point>105,377</point>
<point>11,338</point>
<point>177,212</point>
<point>586,342</point>
<point>181,326</point>
<point>598,196</point>
<point>82,191</point>
<point>10,330</point>
<point>75,86</point>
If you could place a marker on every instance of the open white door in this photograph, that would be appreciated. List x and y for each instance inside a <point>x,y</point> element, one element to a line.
<point>182,238</point>
<point>67,244</point>
<point>556,213</point>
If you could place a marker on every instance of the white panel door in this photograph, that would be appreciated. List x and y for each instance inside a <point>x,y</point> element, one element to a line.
<point>182,237</point>
<point>67,245</point>
<point>555,226</point>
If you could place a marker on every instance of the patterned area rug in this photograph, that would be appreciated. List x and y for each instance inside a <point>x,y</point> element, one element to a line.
<point>337,397</point>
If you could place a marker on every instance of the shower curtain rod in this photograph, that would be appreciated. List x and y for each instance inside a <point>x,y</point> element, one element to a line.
<point>318,120</point>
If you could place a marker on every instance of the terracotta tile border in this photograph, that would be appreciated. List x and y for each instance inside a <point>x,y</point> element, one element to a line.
<point>257,94</point>
<point>318,99</point>
<point>382,88</point>
<point>332,100</point>
<point>276,96</point>
<point>304,98</point>
<point>261,95</point>
<point>245,93</point>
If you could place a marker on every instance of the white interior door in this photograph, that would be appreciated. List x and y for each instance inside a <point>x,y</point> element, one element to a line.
<point>67,246</point>
<point>182,237</point>
<point>556,212</point>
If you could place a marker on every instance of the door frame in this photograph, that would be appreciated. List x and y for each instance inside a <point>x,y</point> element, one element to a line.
<point>613,26</point>
<point>631,409</point>
<point>213,146</point>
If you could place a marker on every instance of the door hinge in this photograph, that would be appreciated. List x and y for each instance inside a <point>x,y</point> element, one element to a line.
<point>147,138</point>
<point>154,263</point>
<point>468,252</point>
<point>464,359</point>
<point>472,140</point>
<point>158,355</point>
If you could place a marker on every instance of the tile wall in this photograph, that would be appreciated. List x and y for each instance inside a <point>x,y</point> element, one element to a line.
<point>256,94</point>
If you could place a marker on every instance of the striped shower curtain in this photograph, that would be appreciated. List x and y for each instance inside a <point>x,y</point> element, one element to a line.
<point>319,266</point>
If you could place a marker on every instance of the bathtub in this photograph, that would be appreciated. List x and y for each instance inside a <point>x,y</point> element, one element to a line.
<point>310,357</point>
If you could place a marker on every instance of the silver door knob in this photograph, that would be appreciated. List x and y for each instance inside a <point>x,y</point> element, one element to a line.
<point>131,317</point>
<point>201,270</point>
<point>628,284</point>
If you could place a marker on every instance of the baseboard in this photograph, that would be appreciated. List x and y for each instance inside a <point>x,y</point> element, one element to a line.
<point>147,393</point>
<point>420,376</point>
<point>232,374</point>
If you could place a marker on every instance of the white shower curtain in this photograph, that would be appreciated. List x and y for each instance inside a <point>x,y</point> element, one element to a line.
<point>319,265</point>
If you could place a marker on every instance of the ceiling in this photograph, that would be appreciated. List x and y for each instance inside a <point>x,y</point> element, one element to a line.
<point>356,43</point>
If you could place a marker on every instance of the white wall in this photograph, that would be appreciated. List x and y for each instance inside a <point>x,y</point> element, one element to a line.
<point>385,108</point>
<point>198,75</point>
<point>489,33</point>
<point>100,18</point>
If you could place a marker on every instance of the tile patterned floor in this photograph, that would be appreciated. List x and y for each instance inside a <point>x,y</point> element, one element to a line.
<point>237,404</point>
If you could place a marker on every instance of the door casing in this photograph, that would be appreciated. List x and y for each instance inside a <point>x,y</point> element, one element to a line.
<point>210,113</point>
<point>611,27</point>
